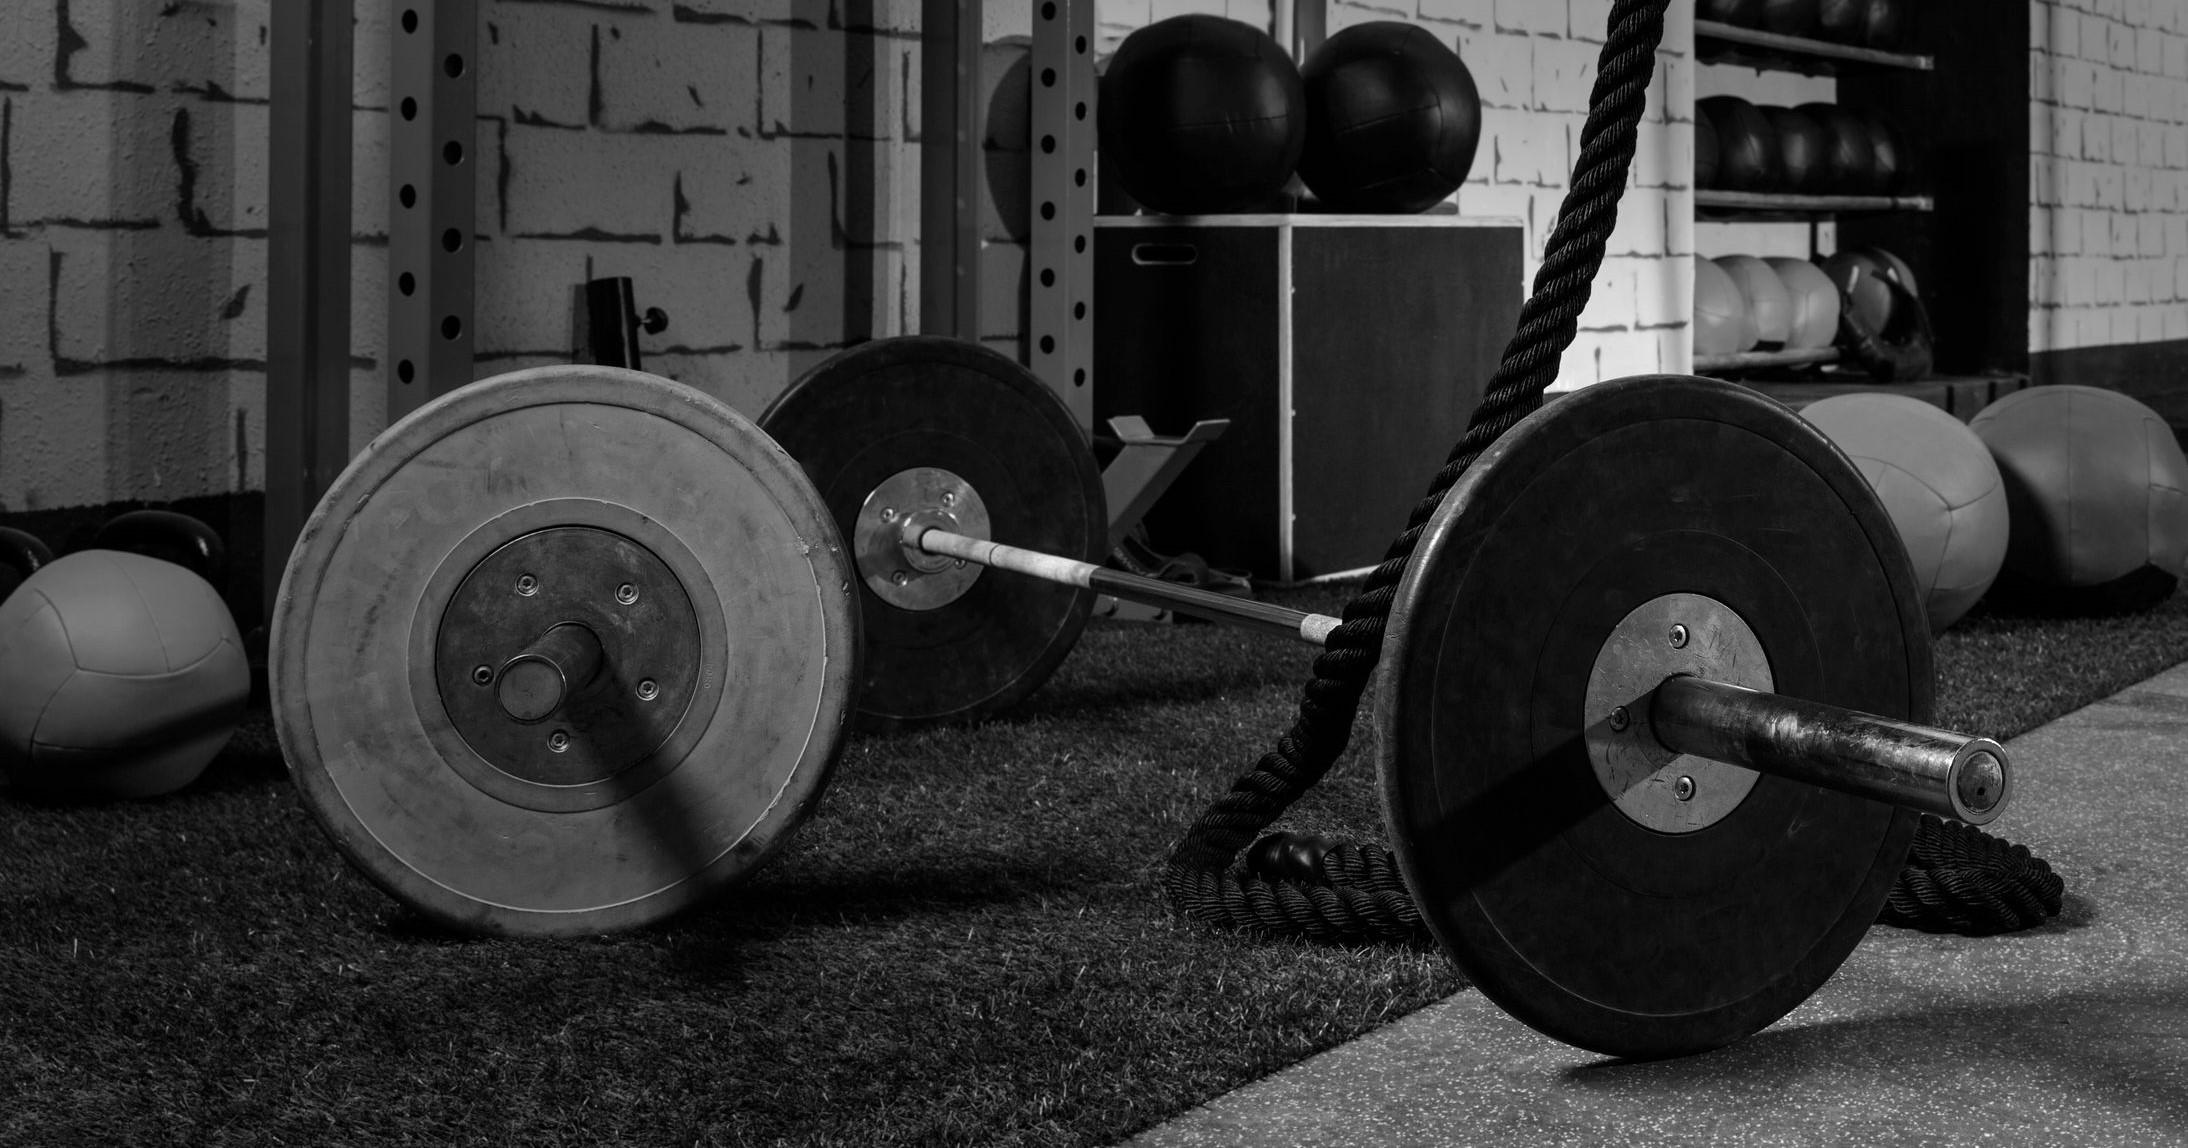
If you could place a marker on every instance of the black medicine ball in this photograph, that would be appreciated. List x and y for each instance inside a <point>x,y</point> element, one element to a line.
<point>1747,147</point>
<point>1200,114</point>
<point>1393,119</point>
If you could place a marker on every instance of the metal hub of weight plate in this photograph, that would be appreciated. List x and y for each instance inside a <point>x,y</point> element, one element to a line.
<point>711,578</point>
<point>904,576</point>
<point>865,417</point>
<point>1603,925</point>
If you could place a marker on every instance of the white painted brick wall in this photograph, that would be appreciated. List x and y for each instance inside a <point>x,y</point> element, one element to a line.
<point>2108,229</point>
<point>751,164</point>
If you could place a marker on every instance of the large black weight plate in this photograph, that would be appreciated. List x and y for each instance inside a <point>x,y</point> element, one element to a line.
<point>1562,909</point>
<point>638,507</point>
<point>887,406</point>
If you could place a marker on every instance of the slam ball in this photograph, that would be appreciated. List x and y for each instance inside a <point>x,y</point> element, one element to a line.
<point>1393,119</point>
<point>1937,481</point>
<point>1790,17</point>
<point>1848,150</point>
<point>1767,302</point>
<point>1200,114</point>
<point>1705,152</point>
<point>1814,299</point>
<point>2098,490</point>
<point>1747,147</point>
<point>1742,13</point>
<point>1801,141</point>
<point>1722,325</point>
<point>1841,20</point>
<point>120,676</point>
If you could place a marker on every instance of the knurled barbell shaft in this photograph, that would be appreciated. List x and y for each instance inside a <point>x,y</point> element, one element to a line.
<point>533,684</point>
<point>1313,628</point>
<point>1936,771</point>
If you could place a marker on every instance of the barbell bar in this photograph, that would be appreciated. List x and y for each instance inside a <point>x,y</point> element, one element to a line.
<point>1935,771</point>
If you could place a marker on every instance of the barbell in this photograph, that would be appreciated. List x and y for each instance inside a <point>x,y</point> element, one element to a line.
<point>574,648</point>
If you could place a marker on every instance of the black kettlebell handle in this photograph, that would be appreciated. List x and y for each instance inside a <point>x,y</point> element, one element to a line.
<point>170,536</point>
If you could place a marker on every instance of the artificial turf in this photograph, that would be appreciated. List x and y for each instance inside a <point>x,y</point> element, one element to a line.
<point>967,945</point>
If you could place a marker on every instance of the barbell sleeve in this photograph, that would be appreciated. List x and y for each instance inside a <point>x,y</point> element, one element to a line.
<point>1936,771</point>
<point>1312,628</point>
<point>535,683</point>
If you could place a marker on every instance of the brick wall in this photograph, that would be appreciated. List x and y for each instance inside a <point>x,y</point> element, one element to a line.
<point>2108,210</point>
<point>132,249</point>
<point>753,164</point>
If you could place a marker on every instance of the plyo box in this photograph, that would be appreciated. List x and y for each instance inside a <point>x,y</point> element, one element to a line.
<point>1347,350</point>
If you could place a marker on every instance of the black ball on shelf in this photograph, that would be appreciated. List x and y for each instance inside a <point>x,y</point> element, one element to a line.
<point>1790,17</point>
<point>1744,13</point>
<point>1393,119</point>
<point>1801,141</point>
<point>1200,114</point>
<point>1840,21</point>
<point>1883,21</point>
<point>1705,152</point>
<point>1887,161</point>
<point>1848,154</point>
<point>1747,149</point>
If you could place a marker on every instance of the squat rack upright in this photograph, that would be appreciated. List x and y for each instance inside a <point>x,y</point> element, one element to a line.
<point>433,47</point>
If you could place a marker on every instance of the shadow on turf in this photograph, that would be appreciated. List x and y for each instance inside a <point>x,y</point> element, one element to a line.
<point>1105,698</point>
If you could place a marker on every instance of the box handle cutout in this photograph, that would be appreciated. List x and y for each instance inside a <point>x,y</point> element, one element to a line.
<point>1165,254</point>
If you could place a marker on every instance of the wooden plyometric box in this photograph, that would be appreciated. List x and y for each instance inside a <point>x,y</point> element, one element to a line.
<point>1347,351</point>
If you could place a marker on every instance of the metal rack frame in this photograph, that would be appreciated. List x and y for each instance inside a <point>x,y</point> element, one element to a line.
<point>433,195</point>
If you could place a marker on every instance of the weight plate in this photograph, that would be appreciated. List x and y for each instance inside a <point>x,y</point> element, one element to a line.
<point>1573,915</point>
<point>652,514</point>
<point>882,408</point>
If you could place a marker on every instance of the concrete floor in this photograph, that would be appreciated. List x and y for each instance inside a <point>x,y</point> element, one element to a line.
<point>2076,1033</point>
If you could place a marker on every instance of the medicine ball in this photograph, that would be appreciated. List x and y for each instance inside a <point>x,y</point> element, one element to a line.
<point>1705,152</point>
<point>1886,171</point>
<point>1744,13</point>
<point>1393,119</point>
<point>1841,20</point>
<point>1801,141</point>
<point>2098,492</point>
<point>1847,152</point>
<point>1767,302</point>
<point>1789,17</point>
<point>120,676</point>
<point>1938,482</point>
<point>1200,114</point>
<point>1722,325</point>
<point>1882,23</point>
<point>1814,323</point>
<point>1747,150</point>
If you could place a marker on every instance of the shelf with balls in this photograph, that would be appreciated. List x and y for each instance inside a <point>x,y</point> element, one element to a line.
<point>1808,163</point>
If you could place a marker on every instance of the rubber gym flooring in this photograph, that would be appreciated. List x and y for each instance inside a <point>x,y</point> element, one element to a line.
<point>2074,1033</point>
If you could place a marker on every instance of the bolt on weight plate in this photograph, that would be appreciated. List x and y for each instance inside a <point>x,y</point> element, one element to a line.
<point>466,532</point>
<point>1695,521</point>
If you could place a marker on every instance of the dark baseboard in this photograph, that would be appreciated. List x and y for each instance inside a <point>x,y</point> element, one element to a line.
<point>2156,373</point>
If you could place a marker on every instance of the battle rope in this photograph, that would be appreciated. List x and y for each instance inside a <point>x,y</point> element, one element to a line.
<point>1347,890</point>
